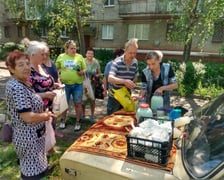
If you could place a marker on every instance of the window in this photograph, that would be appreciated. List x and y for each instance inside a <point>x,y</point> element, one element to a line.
<point>0,33</point>
<point>19,31</point>
<point>6,32</point>
<point>169,29</point>
<point>218,35</point>
<point>31,10</point>
<point>109,3</point>
<point>139,31</point>
<point>64,33</point>
<point>44,31</point>
<point>107,31</point>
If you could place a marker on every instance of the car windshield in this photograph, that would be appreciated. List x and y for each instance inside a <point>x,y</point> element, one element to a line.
<point>203,146</point>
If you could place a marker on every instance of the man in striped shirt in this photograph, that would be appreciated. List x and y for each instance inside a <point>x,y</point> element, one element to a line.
<point>123,72</point>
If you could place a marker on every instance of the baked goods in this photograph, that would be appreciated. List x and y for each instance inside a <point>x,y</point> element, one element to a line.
<point>119,143</point>
<point>119,121</point>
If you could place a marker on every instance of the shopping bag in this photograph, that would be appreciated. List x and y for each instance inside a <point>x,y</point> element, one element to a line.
<point>50,140</point>
<point>87,90</point>
<point>99,89</point>
<point>123,96</point>
<point>60,104</point>
<point>6,133</point>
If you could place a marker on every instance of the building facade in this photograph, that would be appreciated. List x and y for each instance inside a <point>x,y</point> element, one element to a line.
<point>116,21</point>
<point>113,22</point>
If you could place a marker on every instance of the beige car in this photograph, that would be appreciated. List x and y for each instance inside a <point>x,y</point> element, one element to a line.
<point>200,154</point>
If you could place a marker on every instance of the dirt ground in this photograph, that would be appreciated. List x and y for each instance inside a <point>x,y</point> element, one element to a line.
<point>190,103</point>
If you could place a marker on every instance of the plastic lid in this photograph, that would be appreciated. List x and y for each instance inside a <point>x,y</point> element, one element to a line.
<point>144,106</point>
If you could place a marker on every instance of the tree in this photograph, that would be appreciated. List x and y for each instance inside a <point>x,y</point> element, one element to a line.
<point>53,17</point>
<point>196,22</point>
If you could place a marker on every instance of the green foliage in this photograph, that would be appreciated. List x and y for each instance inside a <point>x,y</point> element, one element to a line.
<point>204,79</point>
<point>7,47</point>
<point>53,18</point>
<point>196,21</point>
<point>8,162</point>
<point>103,56</point>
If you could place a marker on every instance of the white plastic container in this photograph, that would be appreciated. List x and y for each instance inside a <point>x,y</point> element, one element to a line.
<point>156,102</point>
<point>143,112</point>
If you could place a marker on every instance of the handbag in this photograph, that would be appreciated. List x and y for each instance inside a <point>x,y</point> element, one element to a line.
<point>99,89</point>
<point>6,132</point>
<point>60,103</point>
<point>87,89</point>
<point>50,140</point>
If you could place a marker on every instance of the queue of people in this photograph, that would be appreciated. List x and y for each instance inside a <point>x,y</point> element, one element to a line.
<point>34,76</point>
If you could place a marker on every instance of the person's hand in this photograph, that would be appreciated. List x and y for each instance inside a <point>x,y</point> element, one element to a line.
<point>137,98</point>
<point>129,84</point>
<point>50,95</point>
<point>48,115</point>
<point>105,93</point>
<point>57,85</point>
<point>159,91</point>
<point>81,72</point>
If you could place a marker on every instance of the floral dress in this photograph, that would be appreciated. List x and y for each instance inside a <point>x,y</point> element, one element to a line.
<point>42,84</point>
<point>29,139</point>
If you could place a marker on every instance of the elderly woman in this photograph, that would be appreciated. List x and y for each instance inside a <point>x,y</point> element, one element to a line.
<point>41,81</point>
<point>28,118</point>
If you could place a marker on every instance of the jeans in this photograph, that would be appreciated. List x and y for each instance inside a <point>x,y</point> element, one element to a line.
<point>112,105</point>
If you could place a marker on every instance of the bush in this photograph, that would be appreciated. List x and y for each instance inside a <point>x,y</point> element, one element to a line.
<point>7,47</point>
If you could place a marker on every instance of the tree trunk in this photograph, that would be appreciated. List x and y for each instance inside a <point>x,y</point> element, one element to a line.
<point>187,50</point>
<point>189,38</point>
<point>80,36</point>
<point>80,30</point>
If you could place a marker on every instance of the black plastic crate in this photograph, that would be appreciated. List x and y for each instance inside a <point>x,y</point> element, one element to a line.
<point>149,150</point>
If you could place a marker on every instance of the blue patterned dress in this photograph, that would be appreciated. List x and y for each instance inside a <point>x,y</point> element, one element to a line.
<point>29,139</point>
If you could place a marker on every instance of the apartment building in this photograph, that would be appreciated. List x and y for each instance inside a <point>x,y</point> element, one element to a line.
<point>115,21</point>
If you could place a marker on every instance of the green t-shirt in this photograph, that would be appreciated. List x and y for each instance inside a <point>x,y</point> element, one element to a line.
<point>69,65</point>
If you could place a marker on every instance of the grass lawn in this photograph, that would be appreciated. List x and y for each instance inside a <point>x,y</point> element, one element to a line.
<point>9,168</point>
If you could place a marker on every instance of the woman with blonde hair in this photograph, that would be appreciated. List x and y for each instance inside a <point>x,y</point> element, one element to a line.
<point>72,66</point>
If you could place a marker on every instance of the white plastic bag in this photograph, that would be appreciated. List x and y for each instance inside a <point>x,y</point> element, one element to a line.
<point>60,102</point>
<point>50,140</point>
<point>87,90</point>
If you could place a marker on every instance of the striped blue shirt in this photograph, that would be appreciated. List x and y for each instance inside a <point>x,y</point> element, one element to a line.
<point>120,70</point>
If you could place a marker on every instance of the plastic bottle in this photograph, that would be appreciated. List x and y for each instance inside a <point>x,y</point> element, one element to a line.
<point>143,112</point>
<point>156,102</point>
<point>56,106</point>
<point>139,102</point>
<point>174,114</point>
<point>181,121</point>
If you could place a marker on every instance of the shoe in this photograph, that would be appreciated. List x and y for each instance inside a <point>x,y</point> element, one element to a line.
<point>62,125</point>
<point>92,119</point>
<point>77,127</point>
<point>83,117</point>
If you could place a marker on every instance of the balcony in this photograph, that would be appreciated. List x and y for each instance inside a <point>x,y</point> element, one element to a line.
<point>147,8</point>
